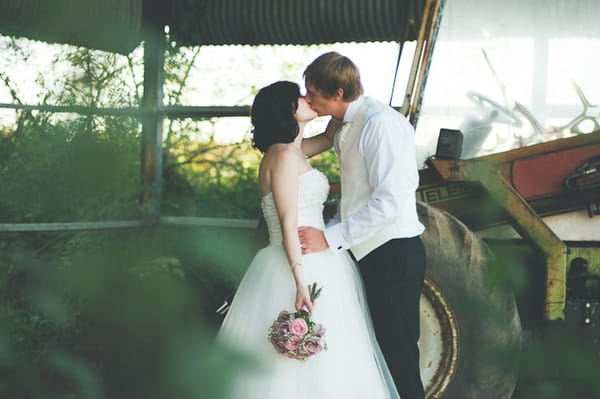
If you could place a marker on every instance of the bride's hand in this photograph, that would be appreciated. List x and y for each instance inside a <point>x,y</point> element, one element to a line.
<point>303,300</point>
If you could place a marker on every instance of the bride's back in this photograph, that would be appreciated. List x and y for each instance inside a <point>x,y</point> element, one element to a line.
<point>313,189</point>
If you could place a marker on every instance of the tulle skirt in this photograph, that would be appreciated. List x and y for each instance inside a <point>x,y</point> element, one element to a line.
<point>351,367</point>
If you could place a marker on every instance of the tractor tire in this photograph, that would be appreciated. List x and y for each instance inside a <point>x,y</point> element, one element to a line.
<point>470,329</point>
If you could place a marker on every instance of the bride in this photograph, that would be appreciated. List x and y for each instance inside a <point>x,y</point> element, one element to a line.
<point>293,194</point>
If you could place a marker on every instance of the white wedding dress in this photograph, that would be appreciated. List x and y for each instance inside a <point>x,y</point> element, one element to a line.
<point>352,366</point>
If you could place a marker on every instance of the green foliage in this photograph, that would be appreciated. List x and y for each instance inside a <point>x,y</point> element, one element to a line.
<point>70,171</point>
<point>200,174</point>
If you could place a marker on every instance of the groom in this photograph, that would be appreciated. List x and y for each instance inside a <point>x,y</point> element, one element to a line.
<point>377,209</point>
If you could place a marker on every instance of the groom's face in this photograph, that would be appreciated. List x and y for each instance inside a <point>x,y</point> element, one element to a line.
<point>318,102</point>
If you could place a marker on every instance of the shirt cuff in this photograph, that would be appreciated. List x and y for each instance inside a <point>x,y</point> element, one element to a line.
<point>335,239</point>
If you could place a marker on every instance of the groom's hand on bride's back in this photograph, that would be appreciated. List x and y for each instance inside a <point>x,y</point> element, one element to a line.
<point>311,240</point>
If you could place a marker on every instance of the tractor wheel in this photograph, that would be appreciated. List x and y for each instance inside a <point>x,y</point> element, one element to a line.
<point>470,330</point>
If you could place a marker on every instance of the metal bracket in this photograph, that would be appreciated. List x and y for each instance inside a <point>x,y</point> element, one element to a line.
<point>523,219</point>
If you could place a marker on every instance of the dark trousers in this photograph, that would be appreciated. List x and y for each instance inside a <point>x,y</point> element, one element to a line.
<point>393,277</point>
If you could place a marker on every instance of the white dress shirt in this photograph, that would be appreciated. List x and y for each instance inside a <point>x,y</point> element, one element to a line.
<point>386,144</point>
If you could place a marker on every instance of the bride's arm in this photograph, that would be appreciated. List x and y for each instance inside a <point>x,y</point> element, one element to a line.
<point>322,142</point>
<point>284,185</point>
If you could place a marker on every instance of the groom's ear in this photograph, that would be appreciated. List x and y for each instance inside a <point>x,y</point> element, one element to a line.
<point>339,94</point>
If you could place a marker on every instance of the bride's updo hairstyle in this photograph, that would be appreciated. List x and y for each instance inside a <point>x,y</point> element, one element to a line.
<point>273,115</point>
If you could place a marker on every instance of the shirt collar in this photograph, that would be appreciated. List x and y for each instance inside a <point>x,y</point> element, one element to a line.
<point>352,108</point>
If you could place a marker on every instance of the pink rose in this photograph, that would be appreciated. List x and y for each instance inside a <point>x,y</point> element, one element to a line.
<point>298,327</point>
<point>292,343</point>
<point>312,345</point>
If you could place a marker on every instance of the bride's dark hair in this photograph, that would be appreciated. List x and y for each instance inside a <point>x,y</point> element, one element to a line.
<point>272,114</point>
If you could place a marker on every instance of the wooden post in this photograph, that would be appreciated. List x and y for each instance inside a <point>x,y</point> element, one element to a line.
<point>152,124</point>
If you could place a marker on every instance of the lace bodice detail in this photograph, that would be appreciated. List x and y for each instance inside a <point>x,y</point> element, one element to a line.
<point>312,193</point>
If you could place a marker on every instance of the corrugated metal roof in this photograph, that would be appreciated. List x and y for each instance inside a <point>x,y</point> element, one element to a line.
<point>295,22</point>
<point>118,25</point>
<point>112,25</point>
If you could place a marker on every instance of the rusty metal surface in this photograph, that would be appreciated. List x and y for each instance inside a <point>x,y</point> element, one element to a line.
<point>450,340</point>
<point>543,148</point>
<point>426,39</point>
<point>545,175</point>
<point>465,200</point>
<point>523,219</point>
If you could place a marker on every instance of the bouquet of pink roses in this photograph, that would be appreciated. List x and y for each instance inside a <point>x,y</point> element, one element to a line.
<point>295,335</point>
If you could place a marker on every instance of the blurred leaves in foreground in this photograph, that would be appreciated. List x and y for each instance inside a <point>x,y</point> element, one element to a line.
<point>116,315</point>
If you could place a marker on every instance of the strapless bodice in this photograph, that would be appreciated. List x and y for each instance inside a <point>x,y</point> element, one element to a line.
<point>312,193</point>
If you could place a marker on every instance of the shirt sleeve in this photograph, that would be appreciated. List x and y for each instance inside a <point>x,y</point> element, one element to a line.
<point>387,146</point>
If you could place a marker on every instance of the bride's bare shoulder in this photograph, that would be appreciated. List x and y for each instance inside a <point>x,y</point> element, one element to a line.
<point>279,159</point>
<point>281,154</point>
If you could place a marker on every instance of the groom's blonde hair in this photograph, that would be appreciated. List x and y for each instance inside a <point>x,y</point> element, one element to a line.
<point>332,71</point>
